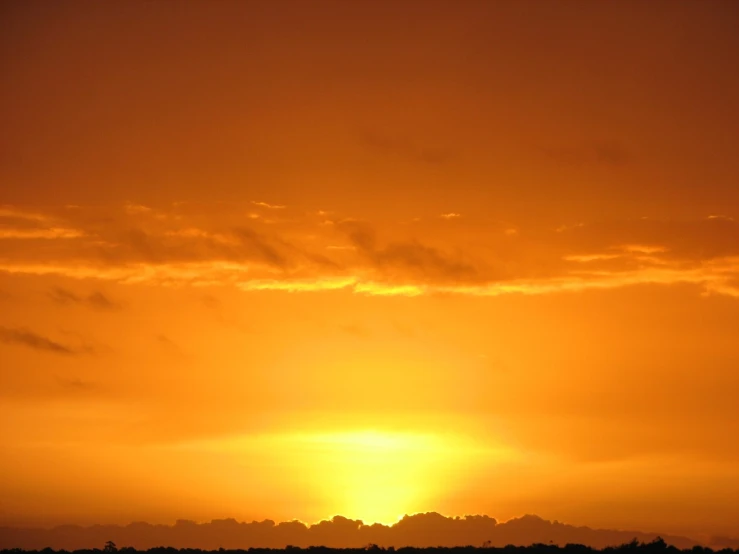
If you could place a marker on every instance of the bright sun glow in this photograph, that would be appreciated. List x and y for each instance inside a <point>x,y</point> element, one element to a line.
<point>376,476</point>
<point>373,475</point>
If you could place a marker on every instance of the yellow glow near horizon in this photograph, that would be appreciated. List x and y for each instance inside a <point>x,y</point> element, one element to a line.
<point>373,475</point>
<point>378,476</point>
<point>372,439</point>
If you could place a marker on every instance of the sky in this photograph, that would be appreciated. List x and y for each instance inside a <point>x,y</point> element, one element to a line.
<point>293,259</point>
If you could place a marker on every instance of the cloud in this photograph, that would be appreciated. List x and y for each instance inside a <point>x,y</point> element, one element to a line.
<point>726,217</point>
<point>13,212</point>
<point>50,233</point>
<point>450,215</point>
<point>190,245</point>
<point>419,530</point>
<point>268,206</point>
<point>407,259</point>
<point>689,240</point>
<point>257,246</point>
<point>381,289</point>
<point>137,209</point>
<point>96,300</point>
<point>425,262</point>
<point>313,285</point>
<point>193,232</point>
<point>24,337</point>
<point>641,249</point>
<point>208,245</point>
<point>100,301</point>
<point>18,224</point>
<point>169,345</point>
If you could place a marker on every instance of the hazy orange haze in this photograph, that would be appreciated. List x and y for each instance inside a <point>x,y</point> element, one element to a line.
<point>295,259</point>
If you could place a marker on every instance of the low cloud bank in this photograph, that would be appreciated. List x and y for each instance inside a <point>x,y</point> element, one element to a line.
<point>421,530</point>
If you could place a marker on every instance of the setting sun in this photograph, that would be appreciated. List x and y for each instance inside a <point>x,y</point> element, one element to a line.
<point>371,475</point>
<point>376,476</point>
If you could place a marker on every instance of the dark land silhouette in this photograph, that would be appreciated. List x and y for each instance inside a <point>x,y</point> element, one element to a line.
<point>429,530</point>
<point>657,546</point>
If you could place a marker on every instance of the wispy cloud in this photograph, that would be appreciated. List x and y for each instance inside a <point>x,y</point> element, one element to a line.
<point>213,248</point>
<point>268,206</point>
<point>20,224</point>
<point>383,289</point>
<point>584,258</point>
<point>642,248</point>
<point>50,233</point>
<point>312,285</point>
<point>29,339</point>
<point>95,299</point>
<point>14,212</point>
<point>136,209</point>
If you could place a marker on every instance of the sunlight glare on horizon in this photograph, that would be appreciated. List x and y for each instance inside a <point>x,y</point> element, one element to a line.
<point>376,476</point>
<point>373,475</point>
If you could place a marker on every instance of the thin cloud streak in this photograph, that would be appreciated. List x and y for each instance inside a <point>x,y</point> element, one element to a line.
<point>716,277</point>
<point>96,300</point>
<point>51,233</point>
<point>268,206</point>
<point>14,212</point>
<point>24,337</point>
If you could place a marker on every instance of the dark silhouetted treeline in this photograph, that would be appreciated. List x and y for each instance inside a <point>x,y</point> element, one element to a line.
<point>657,546</point>
<point>429,530</point>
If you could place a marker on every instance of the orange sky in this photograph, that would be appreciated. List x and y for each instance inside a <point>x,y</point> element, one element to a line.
<point>292,259</point>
